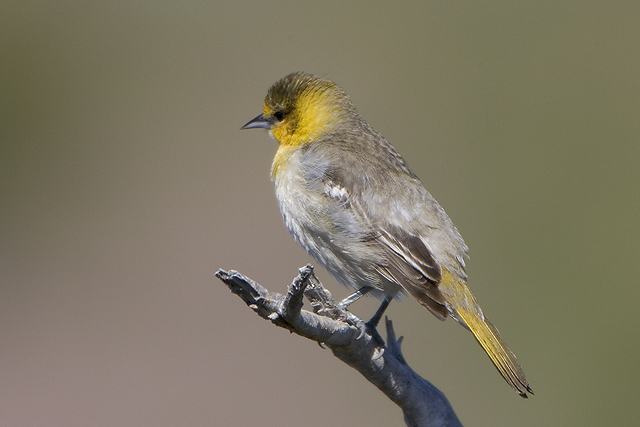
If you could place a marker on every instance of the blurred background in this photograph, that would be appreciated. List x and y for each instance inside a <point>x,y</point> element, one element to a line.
<point>125,183</point>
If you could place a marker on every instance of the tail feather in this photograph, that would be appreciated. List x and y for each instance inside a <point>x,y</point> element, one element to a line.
<point>464,308</point>
<point>503,358</point>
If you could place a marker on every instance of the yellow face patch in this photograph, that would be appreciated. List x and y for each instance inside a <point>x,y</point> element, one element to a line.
<point>315,112</point>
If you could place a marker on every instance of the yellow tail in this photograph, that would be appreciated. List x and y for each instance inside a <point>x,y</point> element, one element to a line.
<point>469,314</point>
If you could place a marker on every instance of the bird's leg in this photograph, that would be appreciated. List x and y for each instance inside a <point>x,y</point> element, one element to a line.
<point>373,322</point>
<point>355,296</point>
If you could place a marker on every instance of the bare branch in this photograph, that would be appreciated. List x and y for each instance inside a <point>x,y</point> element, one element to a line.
<point>351,340</point>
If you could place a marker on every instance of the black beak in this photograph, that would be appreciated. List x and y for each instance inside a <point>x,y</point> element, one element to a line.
<point>259,122</point>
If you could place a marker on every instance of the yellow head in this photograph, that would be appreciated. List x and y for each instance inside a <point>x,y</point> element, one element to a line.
<point>300,108</point>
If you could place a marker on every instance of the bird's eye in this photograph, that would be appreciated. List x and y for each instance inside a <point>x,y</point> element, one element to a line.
<point>279,115</point>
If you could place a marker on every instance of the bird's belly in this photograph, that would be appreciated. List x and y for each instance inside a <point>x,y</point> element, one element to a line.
<point>339,247</point>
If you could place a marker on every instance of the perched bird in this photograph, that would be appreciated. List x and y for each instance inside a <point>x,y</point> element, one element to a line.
<point>355,206</point>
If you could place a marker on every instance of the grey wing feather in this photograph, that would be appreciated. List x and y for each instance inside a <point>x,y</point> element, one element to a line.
<point>409,263</point>
<point>370,182</point>
<point>400,257</point>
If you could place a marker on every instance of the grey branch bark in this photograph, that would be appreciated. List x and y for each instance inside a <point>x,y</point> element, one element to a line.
<point>351,341</point>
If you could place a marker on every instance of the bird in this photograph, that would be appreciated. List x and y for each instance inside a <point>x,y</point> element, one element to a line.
<point>349,198</point>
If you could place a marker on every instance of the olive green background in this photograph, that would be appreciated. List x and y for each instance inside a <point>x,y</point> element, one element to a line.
<point>125,182</point>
